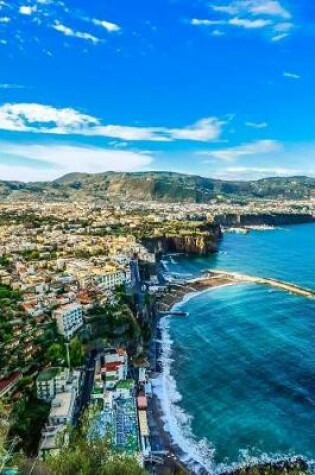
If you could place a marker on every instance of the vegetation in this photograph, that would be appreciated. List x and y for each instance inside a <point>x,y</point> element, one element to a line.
<point>162,186</point>
<point>56,354</point>
<point>114,322</point>
<point>28,416</point>
<point>83,457</point>
<point>76,350</point>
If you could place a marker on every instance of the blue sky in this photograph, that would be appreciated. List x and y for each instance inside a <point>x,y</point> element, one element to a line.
<point>221,88</point>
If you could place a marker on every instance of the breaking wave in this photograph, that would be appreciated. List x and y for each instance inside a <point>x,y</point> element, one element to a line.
<point>196,454</point>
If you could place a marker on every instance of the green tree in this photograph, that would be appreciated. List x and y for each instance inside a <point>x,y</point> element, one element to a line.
<point>84,457</point>
<point>55,354</point>
<point>76,352</point>
<point>27,419</point>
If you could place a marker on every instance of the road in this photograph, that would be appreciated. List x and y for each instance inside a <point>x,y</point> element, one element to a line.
<point>86,387</point>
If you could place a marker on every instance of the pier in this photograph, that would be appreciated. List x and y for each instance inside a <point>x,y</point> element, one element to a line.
<point>174,313</point>
<point>278,284</point>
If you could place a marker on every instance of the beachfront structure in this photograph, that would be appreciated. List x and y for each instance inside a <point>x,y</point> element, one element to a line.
<point>117,420</point>
<point>113,410</point>
<point>115,367</point>
<point>51,381</point>
<point>69,319</point>
<point>144,432</point>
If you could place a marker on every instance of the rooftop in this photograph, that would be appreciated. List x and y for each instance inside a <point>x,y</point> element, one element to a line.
<point>48,374</point>
<point>125,384</point>
<point>61,405</point>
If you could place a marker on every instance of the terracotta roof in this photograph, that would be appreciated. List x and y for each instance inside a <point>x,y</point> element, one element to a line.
<point>142,402</point>
<point>112,366</point>
<point>5,383</point>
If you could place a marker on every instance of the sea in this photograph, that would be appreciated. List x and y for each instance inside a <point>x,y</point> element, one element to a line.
<point>238,384</point>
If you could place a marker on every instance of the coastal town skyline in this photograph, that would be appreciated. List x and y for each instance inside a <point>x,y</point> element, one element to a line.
<point>221,90</point>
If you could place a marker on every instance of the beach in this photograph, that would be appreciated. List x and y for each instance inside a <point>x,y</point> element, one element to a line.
<point>181,450</point>
<point>174,457</point>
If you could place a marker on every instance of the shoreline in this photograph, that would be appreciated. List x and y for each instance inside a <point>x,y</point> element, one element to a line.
<point>175,455</point>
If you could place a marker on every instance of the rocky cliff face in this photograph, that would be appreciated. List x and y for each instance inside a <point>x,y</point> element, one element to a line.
<point>199,244</point>
<point>278,219</point>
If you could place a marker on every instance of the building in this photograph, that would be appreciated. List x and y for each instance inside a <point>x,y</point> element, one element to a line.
<point>69,319</point>
<point>7,385</point>
<point>109,280</point>
<point>115,367</point>
<point>51,381</point>
<point>62,408</point>
<point>63,405</point>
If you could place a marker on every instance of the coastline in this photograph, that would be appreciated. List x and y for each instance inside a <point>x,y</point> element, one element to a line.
<point>176,458</point>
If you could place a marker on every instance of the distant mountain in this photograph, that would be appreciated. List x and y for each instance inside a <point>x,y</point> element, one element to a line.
<point>156,186</point>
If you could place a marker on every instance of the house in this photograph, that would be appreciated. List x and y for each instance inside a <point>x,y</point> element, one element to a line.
<point>7,385</point>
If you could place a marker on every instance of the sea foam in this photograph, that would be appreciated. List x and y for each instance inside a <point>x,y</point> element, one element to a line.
<point>196,454</point>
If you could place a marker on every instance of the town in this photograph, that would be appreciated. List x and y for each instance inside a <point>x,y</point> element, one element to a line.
<point>78,287</point>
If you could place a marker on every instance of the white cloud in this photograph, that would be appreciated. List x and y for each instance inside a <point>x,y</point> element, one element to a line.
<point>5,19</point>
<point>260,147</point>
<point>27,9</point>
<point>65,30</point>
<point>289,75</point>
<point>56,160</point>
<point>206,22</point>
<point>256,125</point>
<point>249,24</point>
<point>268,15</point>
<point>203,130</point>
<point>27,117</point>
<point>109,26</point>
<point>238,22</point>
<point>38,118</point>
<point>271,8</point>
<point>11,86</point>
<point>256,173</point>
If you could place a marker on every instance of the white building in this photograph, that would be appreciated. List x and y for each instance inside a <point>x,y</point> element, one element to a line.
<point>62,408</point>
<point>115,368</point>
<point>69,319</point>
<point>110,280</point>
<point>61,412</point>
<point>51,381</point>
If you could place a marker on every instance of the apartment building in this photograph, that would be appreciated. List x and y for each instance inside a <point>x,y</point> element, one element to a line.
<point>69,319</point>
<point>51,381</point>
<point>109,280</point>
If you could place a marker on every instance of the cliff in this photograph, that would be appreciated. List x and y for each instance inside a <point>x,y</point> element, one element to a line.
<point>277,219</point>
<point>200,244</point>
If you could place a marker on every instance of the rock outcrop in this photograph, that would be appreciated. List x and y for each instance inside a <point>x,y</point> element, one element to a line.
<point>276,219</point>
<point>200,244</point>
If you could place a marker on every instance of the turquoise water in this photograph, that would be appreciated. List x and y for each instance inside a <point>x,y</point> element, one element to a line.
<point>244,359</point>
<point>286,253</point>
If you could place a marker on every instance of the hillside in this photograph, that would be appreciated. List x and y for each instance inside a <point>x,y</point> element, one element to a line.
<point>156,186</point>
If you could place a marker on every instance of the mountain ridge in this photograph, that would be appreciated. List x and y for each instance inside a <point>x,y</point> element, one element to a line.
<point>161,186</point>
